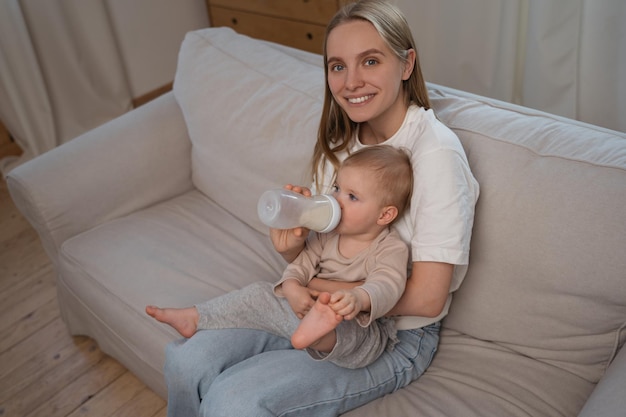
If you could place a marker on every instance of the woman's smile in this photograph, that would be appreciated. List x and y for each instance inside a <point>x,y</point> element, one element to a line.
<point>360,100</point>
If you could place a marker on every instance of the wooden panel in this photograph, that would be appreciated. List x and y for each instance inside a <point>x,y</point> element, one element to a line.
<point>305,36</point>
<point>7,146</point>
<point>151,95</point>
<point>314,11</point>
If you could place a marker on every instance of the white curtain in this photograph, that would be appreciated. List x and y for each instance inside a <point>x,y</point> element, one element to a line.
<point>60,72</point>
<point>566,57</point>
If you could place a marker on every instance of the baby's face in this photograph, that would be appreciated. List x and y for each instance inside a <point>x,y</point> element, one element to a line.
<point>356,190</point>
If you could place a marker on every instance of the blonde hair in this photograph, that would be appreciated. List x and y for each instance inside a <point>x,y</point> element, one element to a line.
<point>392,170</point>
<point>336,129</point>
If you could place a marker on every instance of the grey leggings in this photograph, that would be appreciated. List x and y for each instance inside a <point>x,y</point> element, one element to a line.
<point>257,307</point>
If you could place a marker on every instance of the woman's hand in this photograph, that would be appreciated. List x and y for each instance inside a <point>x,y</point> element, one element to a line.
<point>289,242</point>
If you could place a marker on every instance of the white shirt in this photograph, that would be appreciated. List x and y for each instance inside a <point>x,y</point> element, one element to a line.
<point>438,225</point>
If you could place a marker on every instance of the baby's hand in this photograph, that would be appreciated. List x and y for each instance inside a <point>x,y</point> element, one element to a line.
<point>347,303</point>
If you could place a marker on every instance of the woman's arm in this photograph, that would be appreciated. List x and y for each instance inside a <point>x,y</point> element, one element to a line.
<point>426,290</point>
<point>325,285</point>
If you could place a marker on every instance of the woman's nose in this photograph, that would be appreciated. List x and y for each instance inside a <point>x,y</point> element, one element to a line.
<point>353,79</point>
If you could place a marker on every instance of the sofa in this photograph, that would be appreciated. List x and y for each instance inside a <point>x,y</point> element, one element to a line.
<point>159,207</point>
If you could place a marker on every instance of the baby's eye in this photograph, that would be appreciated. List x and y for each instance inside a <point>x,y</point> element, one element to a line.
<point>335,188</point>
<point>352,197</point>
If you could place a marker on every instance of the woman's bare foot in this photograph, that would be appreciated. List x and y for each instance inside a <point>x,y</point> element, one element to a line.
<point>183,320</point>
<point>315,328</point>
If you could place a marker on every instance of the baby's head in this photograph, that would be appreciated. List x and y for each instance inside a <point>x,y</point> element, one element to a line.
<point>391,170</point>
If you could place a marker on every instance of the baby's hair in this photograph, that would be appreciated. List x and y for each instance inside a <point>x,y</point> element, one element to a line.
<point>392,169</point>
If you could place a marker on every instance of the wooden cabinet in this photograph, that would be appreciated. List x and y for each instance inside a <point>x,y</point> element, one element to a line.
<point>297,23</point>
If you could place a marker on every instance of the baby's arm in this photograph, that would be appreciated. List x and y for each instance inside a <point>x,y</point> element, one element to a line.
<point>386,279</point>
<point>300,271</point>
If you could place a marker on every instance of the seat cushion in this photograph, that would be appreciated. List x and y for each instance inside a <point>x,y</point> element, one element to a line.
<point>474,378</point>
<point>174,254</point>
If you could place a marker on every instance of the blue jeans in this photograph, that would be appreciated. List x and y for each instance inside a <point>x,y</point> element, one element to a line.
<point>243,372</point>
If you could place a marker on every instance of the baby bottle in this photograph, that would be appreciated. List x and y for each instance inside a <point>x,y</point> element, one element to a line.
<point>285,209</point>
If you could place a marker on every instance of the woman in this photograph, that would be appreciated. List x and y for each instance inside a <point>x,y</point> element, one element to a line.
<point>375,93</point>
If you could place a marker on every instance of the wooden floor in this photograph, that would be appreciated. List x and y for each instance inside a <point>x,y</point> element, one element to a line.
<point>45,372</point>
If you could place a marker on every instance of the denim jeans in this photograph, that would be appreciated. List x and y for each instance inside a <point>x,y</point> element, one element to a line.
<point>251,373</point>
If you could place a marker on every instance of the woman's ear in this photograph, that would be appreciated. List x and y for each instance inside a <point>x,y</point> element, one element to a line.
<point>409,64</point>
<point>387,215</point>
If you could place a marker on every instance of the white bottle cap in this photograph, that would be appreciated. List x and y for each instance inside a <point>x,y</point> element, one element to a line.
<point>336,213</point>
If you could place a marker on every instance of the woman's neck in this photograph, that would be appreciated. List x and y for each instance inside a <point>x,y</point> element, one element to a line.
<point>375,132</point>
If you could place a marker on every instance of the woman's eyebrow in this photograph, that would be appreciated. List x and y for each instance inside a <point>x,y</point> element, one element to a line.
<point>371,51</point>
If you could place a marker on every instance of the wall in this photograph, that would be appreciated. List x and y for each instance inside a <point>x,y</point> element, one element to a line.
<point>566,57</point>
<point>149,34</point>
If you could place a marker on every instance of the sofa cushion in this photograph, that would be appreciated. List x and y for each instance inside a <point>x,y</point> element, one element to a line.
<point>546,276</point>
<point>476,378</point>
<point>259,132</point>
<point>174,254</point>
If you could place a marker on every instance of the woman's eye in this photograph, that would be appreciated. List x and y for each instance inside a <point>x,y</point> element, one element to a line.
<point>371,62</point>
<point>336,67</point>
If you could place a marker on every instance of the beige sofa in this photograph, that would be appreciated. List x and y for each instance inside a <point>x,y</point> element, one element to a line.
<point>159,206</point>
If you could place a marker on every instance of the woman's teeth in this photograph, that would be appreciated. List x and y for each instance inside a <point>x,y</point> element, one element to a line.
<point>358,100</point>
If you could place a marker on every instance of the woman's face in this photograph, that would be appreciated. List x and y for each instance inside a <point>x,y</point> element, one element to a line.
<point>365,76</point>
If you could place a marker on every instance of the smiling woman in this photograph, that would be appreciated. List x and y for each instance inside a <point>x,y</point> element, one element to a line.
<point>367,82</point>
<point>374,93</point>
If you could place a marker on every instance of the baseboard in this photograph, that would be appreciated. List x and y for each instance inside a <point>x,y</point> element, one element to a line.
<point>8,147</point>
<point>151,95</point>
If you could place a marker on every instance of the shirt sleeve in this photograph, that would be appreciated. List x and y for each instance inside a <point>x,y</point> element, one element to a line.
<point>442,208</point>
<point>386,277</point>
<point>306,264</point>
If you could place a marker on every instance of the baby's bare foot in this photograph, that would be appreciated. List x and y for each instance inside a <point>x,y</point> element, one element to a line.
<point>317,323</point>
<point>183,320</point>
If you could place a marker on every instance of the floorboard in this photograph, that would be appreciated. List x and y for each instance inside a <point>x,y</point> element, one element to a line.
<point>45,372</point>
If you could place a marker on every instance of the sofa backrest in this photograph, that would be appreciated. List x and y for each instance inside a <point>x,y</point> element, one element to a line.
<point>252,113</point>
<point>547,275</point>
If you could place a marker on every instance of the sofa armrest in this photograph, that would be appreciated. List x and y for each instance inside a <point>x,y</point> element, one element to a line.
<point>608,399</point>
<point>131,162</point>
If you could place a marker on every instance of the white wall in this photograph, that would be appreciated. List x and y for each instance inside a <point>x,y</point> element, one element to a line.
<point>566,57</point>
